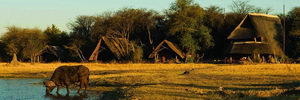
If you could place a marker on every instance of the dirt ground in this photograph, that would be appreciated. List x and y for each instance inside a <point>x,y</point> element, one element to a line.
<point>179,81</point>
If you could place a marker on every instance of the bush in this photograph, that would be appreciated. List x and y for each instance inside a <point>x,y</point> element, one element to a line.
<point>137,55</point>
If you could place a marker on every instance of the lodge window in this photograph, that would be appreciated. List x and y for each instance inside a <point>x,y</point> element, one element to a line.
<point>258,39</point>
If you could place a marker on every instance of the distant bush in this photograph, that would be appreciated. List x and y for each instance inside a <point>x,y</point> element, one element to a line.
<point>137,54</point>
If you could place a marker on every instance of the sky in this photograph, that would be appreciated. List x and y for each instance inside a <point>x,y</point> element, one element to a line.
<point>44,13</point>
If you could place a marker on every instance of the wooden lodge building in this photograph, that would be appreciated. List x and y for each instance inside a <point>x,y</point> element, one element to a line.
<point>255,37</point>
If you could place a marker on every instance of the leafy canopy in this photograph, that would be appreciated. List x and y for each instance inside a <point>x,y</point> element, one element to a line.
<point>186,24</point>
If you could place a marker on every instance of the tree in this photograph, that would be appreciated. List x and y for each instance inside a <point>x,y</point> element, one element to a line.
<point>243,7</point>
<point>214,19</point>
<point>3,55</point>
<point>24,42</point>
<point>186,23</point>
<point>56,37</point>
<point>140,26</point>
<point>101,26</point>
<point>293,32</point>
<point>81,36</point>
<point>125,23</point>
<point>294,16</point>
<point>35,43</point>
<point>261,10</point>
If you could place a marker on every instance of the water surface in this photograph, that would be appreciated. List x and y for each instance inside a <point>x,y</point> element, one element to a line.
<point>32,89</point>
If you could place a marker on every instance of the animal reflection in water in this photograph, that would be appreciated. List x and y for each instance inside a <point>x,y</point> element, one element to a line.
<point>66,76</point>
<point>67,97</point>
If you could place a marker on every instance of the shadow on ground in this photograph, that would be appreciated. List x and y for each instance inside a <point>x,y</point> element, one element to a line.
<point>238,93</point>
<point>280,85</point>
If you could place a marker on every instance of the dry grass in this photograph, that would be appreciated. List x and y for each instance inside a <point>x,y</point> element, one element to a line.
<point>167,81</point>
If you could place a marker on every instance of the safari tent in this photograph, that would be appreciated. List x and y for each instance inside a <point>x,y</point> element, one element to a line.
<point>256,35</point>
<point>111,48</point>
<point>51,53</point>
<point>166,50</point>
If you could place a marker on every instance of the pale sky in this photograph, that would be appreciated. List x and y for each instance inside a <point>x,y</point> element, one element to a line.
<point>43,13</point>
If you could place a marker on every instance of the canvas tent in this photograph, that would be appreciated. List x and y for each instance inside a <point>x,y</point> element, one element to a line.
<point>118,47</point>
<point>256,33</point>
<point>166,49</point>
<point>51,53</point>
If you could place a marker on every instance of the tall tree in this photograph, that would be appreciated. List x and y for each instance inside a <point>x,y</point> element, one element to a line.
<point>24,42</point>
<point>243,7</point>
<point>81,36</point>
<point>214,19</point>
<point>127,22</point>
<point>3,55</point>
<point>294,16</point>
<point>186,23</point>
<point>56,37</point>
<point>140,26</point>
<point>293,32</point>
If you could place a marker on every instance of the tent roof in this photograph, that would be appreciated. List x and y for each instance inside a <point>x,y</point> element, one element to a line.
<point>120,47</point>
<point>257,25</point>
<point>170,45</point>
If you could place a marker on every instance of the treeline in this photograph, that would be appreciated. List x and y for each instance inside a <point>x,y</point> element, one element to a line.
<point>197,31</point>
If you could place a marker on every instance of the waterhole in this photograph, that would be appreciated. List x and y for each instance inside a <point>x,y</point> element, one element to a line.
<point>32,89</point>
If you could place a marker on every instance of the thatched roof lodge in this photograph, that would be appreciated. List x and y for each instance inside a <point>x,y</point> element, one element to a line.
<point>108,47</point>
<point>256,33</point>
<point>51,53</point>
<point>166,50</point>
<point>249,47</point>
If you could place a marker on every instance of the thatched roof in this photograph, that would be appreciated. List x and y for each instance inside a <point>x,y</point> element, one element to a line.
<point>257,25</point>
<point>251,47</point>
<point>168,45</point>
<point>261,27</point>
<point>120,47</point>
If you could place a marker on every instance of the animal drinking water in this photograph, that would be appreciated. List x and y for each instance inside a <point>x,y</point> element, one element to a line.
<point>66,76</point>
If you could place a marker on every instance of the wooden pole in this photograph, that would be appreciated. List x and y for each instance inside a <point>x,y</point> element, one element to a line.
<point>283,46</point>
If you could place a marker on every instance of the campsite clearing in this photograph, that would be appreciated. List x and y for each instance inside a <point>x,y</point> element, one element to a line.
<point>179,81</point>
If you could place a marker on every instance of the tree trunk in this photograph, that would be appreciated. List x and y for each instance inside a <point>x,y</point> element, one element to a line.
<point>149,37</point>
<point>80,55</point>
<point>32,59</point>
